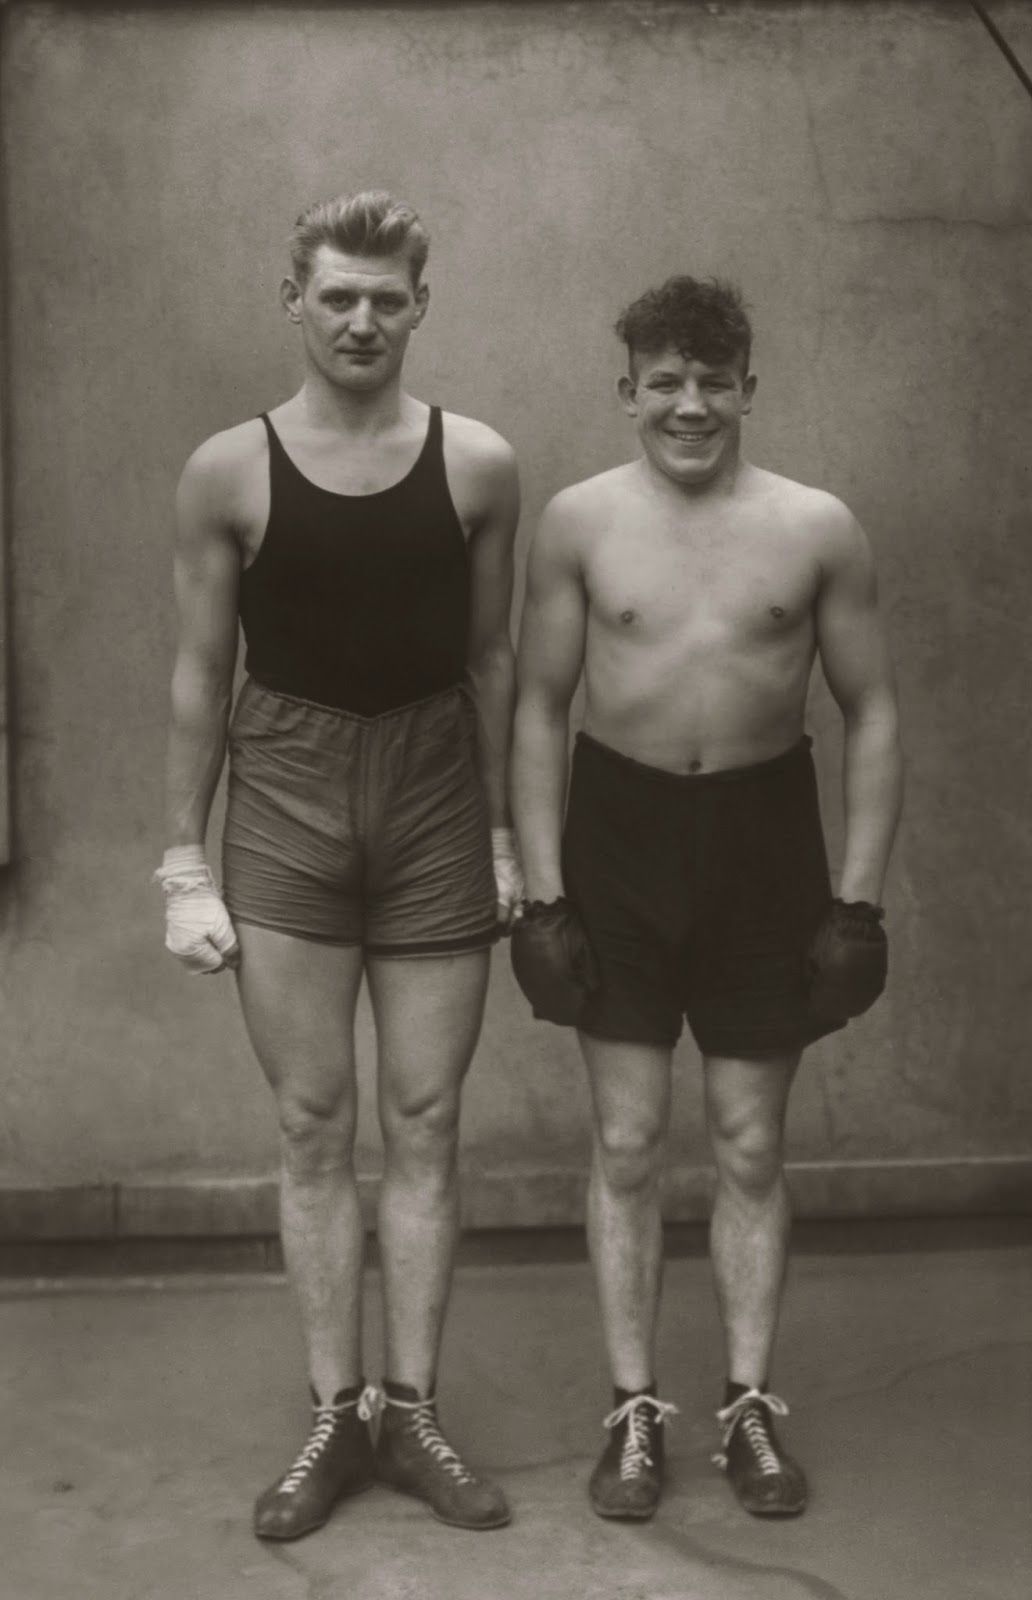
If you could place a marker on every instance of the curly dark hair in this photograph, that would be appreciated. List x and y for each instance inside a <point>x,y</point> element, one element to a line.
<point>704,318</point>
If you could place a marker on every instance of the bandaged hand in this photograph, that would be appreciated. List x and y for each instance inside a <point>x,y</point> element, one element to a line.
<point>848,960</point>
<point>553,961</point>
<point>197,926</point>
<point>508,874</point>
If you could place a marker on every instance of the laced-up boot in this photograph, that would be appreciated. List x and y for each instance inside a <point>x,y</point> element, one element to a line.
<point>335,1460</point>
<point>628,1480</point>
<point>413,1455</point>
<point>766,1480</point>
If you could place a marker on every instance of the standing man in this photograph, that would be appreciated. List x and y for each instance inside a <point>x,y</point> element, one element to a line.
<point>694,590</point>
<point>364,541</point>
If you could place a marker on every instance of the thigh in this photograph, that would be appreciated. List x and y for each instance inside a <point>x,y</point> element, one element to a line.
<point>292,856</point>
<point>748,1095</point>
<point>428,1013</point>
<point>298,998</point>
<point>429,879</point>
<point>624,875</point>
<point>767,889</point>
<point>630,1086</point>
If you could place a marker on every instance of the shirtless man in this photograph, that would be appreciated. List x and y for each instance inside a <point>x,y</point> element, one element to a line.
<point>695,590</point>
<point>365,543</point>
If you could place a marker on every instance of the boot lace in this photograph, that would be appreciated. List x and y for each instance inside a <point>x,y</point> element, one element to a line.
<point>325,1425</point>
<point>634,1456</point>
<point>751,1411</point>
<point>423,1425</point>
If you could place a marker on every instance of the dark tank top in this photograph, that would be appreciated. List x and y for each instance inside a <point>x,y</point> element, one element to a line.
<point>358,601</point>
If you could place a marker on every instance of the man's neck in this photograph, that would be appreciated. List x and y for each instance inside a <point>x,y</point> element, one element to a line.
<point>721,487</point>
<point>323,405</point>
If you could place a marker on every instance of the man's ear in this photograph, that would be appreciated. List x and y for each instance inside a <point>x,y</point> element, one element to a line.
<point>422,304</point>
<point>748,390</point>
<point>627,389</point>
<point>290,298</point>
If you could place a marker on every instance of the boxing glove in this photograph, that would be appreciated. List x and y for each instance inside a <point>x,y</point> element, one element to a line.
<point>197,926</point>
<point>508,874</point>
<point>553,961</point>
<point>848,960</point>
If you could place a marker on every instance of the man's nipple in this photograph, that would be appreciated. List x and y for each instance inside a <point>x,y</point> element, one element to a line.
<point>628,615</point>
<point>777,611</point>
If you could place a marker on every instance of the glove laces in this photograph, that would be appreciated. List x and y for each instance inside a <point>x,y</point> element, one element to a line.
<point>749,1410</point>
<point>635,1453</point>
<point>326,1418</point>
<point>424,1426</point>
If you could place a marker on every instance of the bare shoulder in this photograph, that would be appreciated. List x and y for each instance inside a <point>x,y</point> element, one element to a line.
<point>473,444</point>
<point>220,471</point>
<point>583,504</point>
<point>823,520</point>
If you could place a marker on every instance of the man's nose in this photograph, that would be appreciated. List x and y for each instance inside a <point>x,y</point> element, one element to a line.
<point>363,325</point>
<point>691,402</point>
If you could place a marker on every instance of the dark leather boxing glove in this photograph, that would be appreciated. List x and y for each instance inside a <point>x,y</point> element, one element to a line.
<point>848,960</point>
<point>553,961</point>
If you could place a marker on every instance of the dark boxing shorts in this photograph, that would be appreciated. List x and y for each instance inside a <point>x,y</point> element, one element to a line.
<point>700,895</point>
<point>359,831</point>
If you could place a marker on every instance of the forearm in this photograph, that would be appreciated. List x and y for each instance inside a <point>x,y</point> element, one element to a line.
<point>540,748</point>
<point>198,728</point>
<point>872,780</point>
<point>494,692</point>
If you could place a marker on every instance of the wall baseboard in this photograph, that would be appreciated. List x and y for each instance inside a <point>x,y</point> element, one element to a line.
<point>513,1197</point>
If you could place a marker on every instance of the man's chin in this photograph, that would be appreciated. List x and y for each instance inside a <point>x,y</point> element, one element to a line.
<point>689,470</point>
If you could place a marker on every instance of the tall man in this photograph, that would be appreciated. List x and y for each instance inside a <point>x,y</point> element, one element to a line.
<point>694,590</point>
<point>364,541</point>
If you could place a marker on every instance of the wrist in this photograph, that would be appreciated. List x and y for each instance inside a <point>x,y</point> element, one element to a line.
<point>503,843</point>
<point>181,857</point>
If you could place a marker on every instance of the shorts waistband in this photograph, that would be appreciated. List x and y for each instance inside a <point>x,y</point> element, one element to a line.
<point>437,698</point>
<point>694,780</point>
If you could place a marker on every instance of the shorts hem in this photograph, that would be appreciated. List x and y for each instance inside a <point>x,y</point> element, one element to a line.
<point>743,1047</point>
<point>613,1036</point>
<point>295,933</point>
<point>482,940</point>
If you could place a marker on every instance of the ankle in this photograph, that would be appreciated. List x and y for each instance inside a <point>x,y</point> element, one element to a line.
<point>734,1388</point>
<point>621,1396</point>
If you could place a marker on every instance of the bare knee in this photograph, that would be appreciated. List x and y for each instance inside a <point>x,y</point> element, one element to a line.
<point>421,1133</point>
<point>748,1152</point>
<point>317,1132</point>
<point>629,1156</point>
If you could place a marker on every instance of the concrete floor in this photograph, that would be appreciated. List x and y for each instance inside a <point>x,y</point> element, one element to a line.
<point>140,1417</point>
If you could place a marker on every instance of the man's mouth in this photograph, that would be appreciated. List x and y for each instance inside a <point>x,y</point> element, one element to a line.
<point>690,436</point>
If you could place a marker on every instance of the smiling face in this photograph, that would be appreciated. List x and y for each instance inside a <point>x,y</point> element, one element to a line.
<point>356,315</point>
<point>688,413</point>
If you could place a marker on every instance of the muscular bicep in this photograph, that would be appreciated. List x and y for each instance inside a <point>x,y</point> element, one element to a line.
<point>491,563</point>
<point>851,638</point>
<point>206,575</point>
<point>554,622</point>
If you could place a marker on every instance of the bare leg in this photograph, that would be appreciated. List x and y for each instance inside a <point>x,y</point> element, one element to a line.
<point>298,999</point>
<point>746,1102</point>
<point>630,1087</point>
<point>428,1015</point>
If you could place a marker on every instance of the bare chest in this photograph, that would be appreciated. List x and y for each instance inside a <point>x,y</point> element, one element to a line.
<point>756,586</point>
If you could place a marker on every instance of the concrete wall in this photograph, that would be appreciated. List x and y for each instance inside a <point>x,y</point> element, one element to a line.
<point>861,168</point>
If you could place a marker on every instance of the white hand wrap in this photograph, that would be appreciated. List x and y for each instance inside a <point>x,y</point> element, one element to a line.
<point>197,926</point>
<point>508,873</point>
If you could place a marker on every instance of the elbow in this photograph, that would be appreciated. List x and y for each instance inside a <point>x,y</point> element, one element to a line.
<point>494,663</point>
<point>201,691</point>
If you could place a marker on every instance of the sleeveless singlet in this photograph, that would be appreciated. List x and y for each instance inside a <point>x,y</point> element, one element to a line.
<point>360,602</point>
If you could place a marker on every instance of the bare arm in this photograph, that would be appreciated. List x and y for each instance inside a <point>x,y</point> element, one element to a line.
<point>551,655</point>
<point>491,661</point>
<point>206,575</point>
<point>856,664</point>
